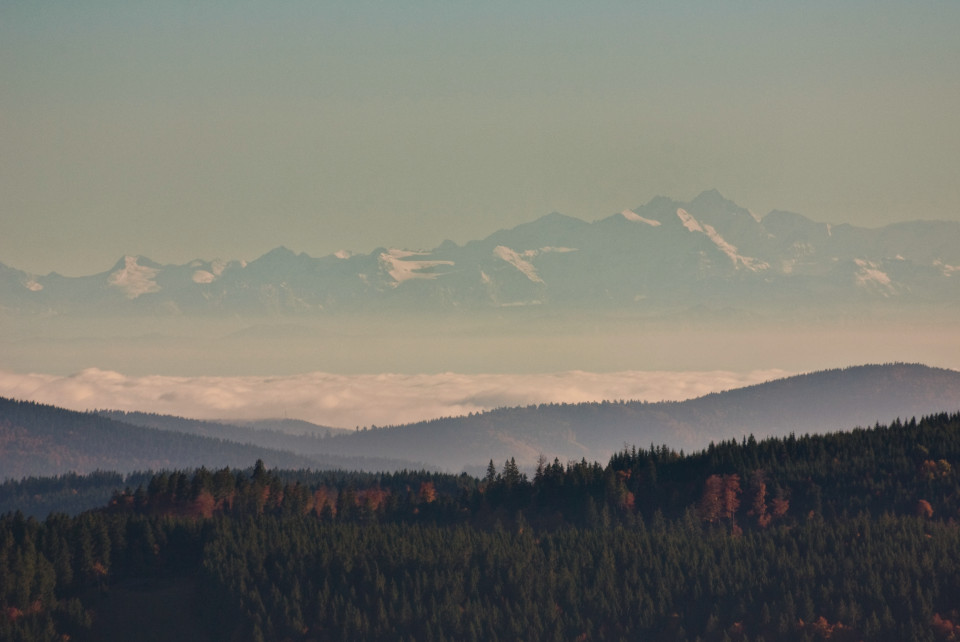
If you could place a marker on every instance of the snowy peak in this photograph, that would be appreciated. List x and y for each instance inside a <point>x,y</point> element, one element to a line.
<point>660,257</point>
<point>630,215</point>
<point>556,218</point>
<point>205,273</point>
<point>518,261</point>
<point>139,260</point>
<point>17,281</point>
<point>277,256</point>
<point>688,221</point>
<point>730,250</point>
<point>401,267</point>
<point>712,197</point>
<point>203,277</point>
<point>870,275</point>
<point>133,278</point>
<point>714,201</point>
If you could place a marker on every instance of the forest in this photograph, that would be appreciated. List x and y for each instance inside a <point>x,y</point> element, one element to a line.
<point>40,440</point>
<point>843,536</point>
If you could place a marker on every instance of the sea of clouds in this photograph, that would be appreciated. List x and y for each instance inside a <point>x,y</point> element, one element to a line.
<point>359,400</point>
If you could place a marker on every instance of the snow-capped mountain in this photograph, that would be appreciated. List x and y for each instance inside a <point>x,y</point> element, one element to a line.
<point>662,256</point>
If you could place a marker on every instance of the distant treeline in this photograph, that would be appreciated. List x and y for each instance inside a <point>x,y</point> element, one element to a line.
<point>846,536</point>
<point>69,493</point>
<point>38,440</point>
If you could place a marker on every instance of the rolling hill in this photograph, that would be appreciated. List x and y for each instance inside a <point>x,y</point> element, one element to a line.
<point>44,440</point>
<point>818,402</point>
<point>37,439</point>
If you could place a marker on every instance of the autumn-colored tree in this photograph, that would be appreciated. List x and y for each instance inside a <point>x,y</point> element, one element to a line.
<point>730,496</point>
<point>372,498</point>
<point>822,629</point>
<point>779,505</point>
<point>944,628</point>
<point>428,493</point>
<point>721,498</point>
<point>924,509</point>
<point>203,506</point>
<point>931,470</point>
<point>261,497</point>
<point>324,499</point>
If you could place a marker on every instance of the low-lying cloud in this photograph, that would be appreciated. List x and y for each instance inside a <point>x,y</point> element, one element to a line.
<point>360,400</point>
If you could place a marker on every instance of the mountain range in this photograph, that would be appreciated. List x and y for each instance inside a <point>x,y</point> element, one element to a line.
<point>43,440</point>
<point>661,257</point>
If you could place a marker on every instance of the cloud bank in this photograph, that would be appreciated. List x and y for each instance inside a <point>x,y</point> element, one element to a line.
<point>360,400</point>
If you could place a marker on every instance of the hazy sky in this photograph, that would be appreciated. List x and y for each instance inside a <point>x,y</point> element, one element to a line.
<point>180,130</point>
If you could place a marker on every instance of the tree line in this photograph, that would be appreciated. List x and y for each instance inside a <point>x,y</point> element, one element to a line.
<point>845,536</point>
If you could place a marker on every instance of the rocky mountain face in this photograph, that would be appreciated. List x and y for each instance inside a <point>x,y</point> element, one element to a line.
<point>662,256</point>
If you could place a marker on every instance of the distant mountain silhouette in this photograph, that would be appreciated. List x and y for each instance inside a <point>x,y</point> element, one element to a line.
<point>827,401</point>
<point>301,437</point>
<point>38,439</point>
<point>661,257</point>
<point>44,440</point>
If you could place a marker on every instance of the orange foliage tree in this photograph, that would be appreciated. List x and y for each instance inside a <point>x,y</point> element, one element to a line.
<point>721,498</point>
<point>428,493</point>
<point>710,503</point>
<point>730,496</point>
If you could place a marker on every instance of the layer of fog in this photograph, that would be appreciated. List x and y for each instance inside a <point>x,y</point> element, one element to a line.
<point>234,368</point>
<point>359,400</point>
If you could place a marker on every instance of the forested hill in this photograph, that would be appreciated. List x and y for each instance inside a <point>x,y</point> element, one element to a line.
<point>41,440</point>
<point>304,443</point>
<point>37,439</point>
<point>818,402</point>
<point>844,537</point>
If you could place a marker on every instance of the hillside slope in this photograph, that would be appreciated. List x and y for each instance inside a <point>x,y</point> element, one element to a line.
<point>811,403</point>
<point>43,440</point>
<point>37,439</point>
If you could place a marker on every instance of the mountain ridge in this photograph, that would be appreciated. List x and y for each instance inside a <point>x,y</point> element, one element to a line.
<point>42,440</point>
<point>816,402</point>
<point>652,259</point>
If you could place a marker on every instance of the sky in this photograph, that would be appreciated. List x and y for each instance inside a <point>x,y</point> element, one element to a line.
<point>182,130</point>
